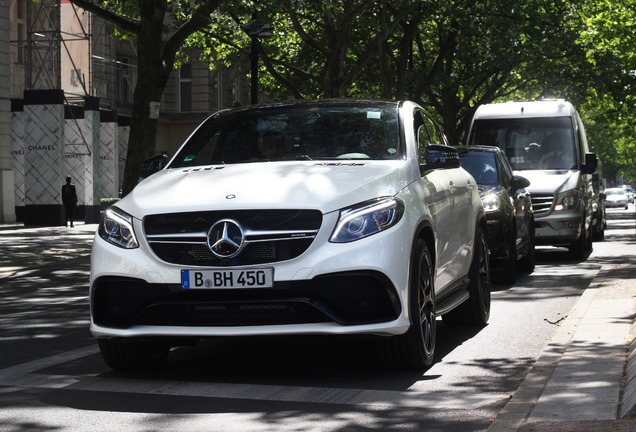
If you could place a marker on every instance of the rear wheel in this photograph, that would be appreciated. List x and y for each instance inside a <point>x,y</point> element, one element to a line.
<point>598,232</point>
<point>131,355</point>
<point>415,348</point>
<point>475,310</point>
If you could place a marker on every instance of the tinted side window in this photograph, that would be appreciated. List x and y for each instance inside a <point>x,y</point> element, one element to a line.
<point>506,170</point>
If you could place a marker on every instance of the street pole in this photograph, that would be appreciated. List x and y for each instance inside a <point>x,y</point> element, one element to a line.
<point>255,30</point>
<point>254,70</point>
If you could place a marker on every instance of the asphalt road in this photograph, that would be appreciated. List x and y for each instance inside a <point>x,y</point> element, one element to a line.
<point>52,377</point>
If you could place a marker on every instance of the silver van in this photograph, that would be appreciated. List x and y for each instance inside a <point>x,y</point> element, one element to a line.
<point>545,142</point>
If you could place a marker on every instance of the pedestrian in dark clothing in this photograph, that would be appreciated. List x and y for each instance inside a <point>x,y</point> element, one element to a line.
<point>69,199</point>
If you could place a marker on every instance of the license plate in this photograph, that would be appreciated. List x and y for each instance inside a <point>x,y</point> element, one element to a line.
<point>245,278</point>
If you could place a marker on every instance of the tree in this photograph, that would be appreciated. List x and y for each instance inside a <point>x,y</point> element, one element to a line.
<point>449,55</point>
<point>452,55</point>
<point>319,49</point>
<point>460,55</point>
<point>608,32</point>
<point>160,28</point>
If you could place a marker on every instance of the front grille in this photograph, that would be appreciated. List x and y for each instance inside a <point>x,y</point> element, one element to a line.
<point>270,236</point>
<point>345,298</point>
<point>542,203</point>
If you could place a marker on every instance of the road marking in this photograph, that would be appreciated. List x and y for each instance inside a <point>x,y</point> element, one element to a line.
<point>23,376</point>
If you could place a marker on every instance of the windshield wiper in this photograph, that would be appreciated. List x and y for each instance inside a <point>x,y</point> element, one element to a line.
<point>303,157</point>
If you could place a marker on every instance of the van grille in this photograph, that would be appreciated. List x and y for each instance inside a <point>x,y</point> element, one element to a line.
<point>542,203</point>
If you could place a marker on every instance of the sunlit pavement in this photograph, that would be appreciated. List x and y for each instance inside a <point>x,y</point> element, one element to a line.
<point>584,379</point>
<point>35,247</point>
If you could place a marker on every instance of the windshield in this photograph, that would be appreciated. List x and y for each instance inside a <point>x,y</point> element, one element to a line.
<point>326,132</point>
<point>481,165</point>
<point>530,143</point>
<point>614,192</point>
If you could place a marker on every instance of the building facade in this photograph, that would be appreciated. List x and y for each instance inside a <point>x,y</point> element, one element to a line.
<point>66,93</point>
<point>7,202</point>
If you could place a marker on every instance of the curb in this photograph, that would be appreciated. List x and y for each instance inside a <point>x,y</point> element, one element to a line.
<point>519,409</point>
<point>628,408</point>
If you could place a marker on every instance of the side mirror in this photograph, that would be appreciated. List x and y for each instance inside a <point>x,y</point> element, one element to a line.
<point>518,182</point>
<point>439,156</point>
<point>590,164</point>
<point>602,196</point>
<point>154,164</point>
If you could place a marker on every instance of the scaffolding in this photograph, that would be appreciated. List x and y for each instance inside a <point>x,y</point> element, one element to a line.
<point>58,48</point>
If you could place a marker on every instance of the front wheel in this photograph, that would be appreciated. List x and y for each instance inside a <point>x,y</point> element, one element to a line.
<point>508,275</point>
<point>415,348</point>
<point>476,310</point>
<point>582,245</point>
<point>527,263</point>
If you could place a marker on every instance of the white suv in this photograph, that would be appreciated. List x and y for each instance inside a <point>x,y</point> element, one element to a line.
<point>334,217</point>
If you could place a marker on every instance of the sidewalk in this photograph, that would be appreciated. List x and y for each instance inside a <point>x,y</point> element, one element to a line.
<point>585,379</point>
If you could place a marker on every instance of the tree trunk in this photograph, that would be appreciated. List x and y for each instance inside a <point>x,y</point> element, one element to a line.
<point>150,86</point>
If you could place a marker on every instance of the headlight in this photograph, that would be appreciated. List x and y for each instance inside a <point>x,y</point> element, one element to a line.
<point>567,201</point>
<point>116,228</point>
<point>490,202</point>
<point>366,219</point>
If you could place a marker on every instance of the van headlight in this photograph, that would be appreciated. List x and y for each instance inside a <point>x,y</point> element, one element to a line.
<point>567,201</point>
<point>116,227</point>
<point>368,218</point>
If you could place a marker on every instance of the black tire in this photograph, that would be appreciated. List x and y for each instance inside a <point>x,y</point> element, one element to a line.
<point>476,310</point>
<point>598,233</point>
<point>415,349</point>
<point>582,245</point>
<point>133,355</point>
<point>508,275</point>
<point>528,262</point>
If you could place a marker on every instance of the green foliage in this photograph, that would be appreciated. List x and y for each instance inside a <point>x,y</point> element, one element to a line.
<point>449,55</point>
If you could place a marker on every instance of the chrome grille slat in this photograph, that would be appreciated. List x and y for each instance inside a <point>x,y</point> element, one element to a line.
<point>542,203</point>
<point>269,236</point>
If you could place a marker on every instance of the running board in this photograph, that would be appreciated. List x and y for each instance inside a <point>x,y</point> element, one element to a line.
<point>451,302</point>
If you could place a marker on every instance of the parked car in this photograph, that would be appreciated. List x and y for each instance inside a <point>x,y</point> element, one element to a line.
<point>508,210</point>
<point>545,141</point>
<point>358,221</point>
<point>616,197</point>
<point>599,216</point>
<point>629,192</point>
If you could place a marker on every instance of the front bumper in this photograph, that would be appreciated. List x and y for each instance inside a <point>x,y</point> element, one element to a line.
<point>559,228</point>
<point>615,204</point>
<point>353,288</point>
<point>345,298</point>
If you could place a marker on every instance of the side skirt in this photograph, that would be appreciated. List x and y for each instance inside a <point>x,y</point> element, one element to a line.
<point>457,296</point>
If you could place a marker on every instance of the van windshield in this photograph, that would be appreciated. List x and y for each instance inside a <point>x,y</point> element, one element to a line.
<point>529,143</point>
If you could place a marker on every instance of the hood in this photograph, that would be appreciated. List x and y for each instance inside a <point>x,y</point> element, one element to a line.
<point>326,186</point>
<point>550,182</point>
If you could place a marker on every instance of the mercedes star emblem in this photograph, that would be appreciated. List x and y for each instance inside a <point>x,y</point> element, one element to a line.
<point>225,238</point>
